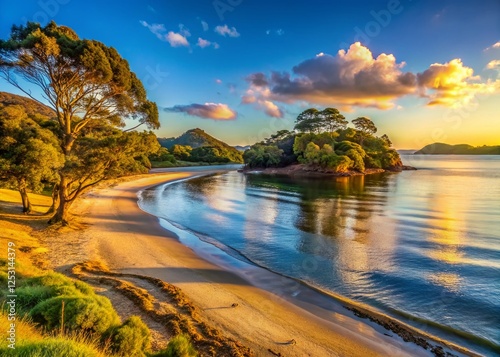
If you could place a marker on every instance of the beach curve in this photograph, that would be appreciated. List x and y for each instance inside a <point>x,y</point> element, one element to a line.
<point>131,241</point>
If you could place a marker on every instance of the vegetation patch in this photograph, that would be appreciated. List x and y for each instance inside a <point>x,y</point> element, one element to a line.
<point>322,141</point>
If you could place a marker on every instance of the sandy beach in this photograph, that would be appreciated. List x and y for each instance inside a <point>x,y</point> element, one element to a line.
<point>116,232</point>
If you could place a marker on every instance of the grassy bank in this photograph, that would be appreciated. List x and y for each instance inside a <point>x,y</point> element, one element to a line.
<point>55,315</point>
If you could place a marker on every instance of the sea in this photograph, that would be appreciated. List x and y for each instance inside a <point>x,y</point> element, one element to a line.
<point>420,246</point>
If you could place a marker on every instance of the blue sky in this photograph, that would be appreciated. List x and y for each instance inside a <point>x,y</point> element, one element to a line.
<point>438,80</point>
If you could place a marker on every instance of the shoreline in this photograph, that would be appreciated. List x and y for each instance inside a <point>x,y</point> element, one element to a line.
<point>327,302</point>
<point>154,251</point>
<point>300,170</point>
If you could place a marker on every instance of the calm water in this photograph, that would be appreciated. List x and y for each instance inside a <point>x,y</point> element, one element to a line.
<point>422,246</point>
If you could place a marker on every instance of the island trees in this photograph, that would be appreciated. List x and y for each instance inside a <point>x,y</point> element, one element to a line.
<point>322,140</point>
<point>314,121</point>
<point>85,82</point>
<point>365,128</point>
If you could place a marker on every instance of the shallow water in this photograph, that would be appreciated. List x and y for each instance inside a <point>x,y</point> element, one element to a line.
<point>422,246</point>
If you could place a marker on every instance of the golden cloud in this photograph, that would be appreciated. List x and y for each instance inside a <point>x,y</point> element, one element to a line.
<point>355,78</point>
<point>215,111</point>
<point>452,84</point>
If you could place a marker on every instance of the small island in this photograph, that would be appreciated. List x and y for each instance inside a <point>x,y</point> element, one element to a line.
<point>322,143</point>
<point>460,149</point>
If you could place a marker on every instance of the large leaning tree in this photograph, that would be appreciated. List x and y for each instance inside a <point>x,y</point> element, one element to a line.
<point>85,82</point>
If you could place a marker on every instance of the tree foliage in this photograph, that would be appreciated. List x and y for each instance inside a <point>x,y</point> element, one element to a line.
<point>365,128</point>
<point>86,83</point>
<point>260,155</point>
<point>327,143</point>
<point>181,152</point>
<point>314,121</point>
<point>29,153</point>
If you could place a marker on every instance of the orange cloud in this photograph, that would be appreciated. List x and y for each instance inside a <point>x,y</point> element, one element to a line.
<point>215,111</point>
<point>452,84</point>
<point>259,95</point>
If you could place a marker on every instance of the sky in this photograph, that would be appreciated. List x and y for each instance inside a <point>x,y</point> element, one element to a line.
<point>423,71</point>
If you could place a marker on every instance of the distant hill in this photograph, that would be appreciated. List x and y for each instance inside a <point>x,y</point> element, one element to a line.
<point>198,138</point>
<point>30,106</point>
<point>461,149</point>
<point>242,148</point>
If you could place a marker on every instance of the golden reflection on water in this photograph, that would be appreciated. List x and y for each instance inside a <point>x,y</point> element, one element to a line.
<point>446,226</point>
<point>450,281</point>
<point>446,223</point>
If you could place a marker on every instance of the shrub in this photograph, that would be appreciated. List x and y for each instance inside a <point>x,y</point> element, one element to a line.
<point>179,346</point>
<point>301,141</point>
<point>338,163</point>
<point>133,338</point>
<point>312,154</point>
<point>53,347</point>
<point>260,155</point>
<point>3,278</point>
<point>37,289</point>
<point>88,314</point>
<point>61,284</point>
<point>29,296</point>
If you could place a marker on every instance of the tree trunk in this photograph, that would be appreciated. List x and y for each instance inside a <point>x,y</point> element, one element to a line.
<point>55,199</point>
<point>27,209</point>
<point>61,214</point>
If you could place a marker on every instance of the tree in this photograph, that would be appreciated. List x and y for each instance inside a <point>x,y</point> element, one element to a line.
<point>208,154</point>
<point>332,120</point>
<point>260,155</point>
<point>83,81</point>
<point>365,127</point>
<point>107,152</point>
<point>386,139</point>
<point>29,153</point>
<point>181,152</point>
<point>280,135</point>
<point>308,121</point>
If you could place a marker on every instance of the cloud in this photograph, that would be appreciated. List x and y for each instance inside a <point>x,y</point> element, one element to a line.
<point>271,109</point>
<point>218,81</point>
<point>176,39</point>
<point>348,79</point>
<point>355,78</point>
<point>495,45</point>
<point>152,9</point>
<point>278,32</point>
<point>205,43</point>
<point>452,84</point>
<point>260,95</point>
<point>204,25</point>
<point>215,111</point>
<point>184,31</point>
<point>257,79</point>
<point>495,64</point>
<point>157,29</point>
<point>226,31</point>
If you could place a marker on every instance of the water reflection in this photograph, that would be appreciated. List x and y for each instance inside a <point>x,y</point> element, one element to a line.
<point>395,241</point>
